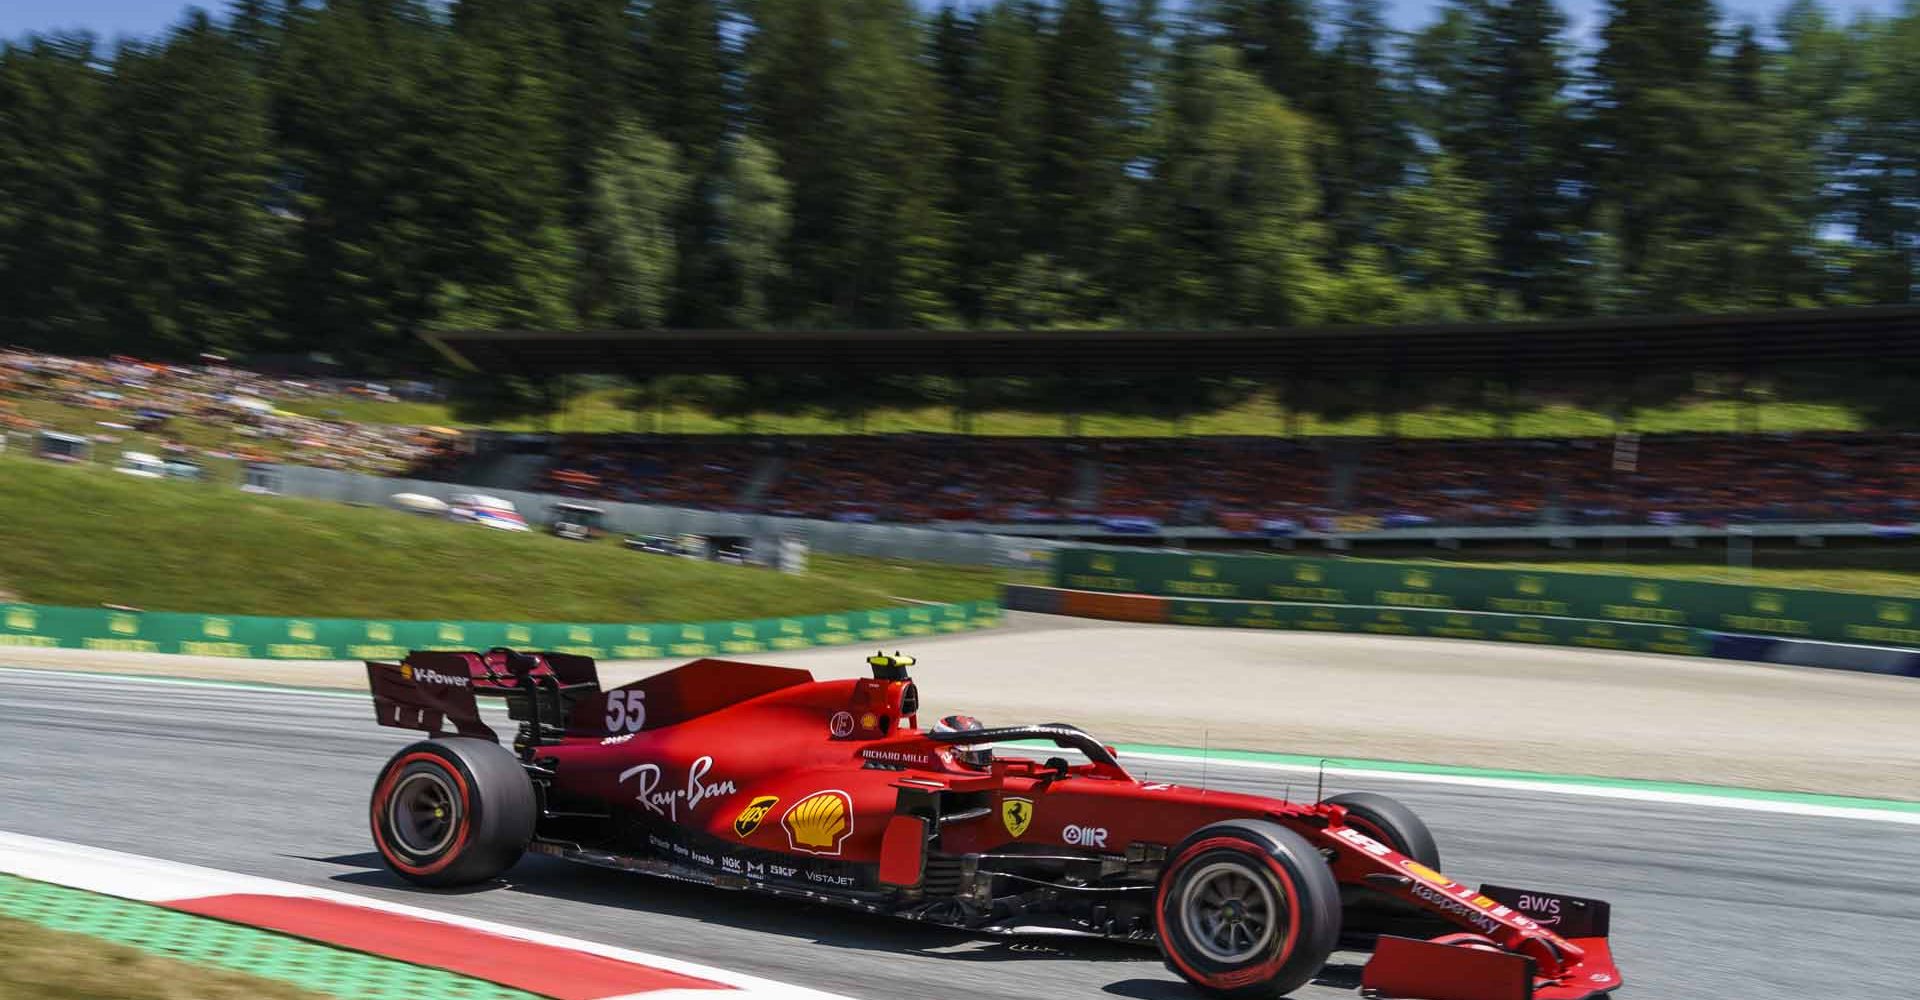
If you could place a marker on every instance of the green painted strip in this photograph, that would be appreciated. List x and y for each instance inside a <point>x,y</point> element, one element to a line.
<point>260,687</point>
<point>237,948</point>
<point>41,626</point>
<point>1536,777</point>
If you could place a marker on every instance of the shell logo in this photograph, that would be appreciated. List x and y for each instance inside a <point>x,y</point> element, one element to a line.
<point>22,619</point>
<point>1646,593</point>
<point>1888,611</point>
<point>1307,573</point>
<point>1530,585</point>
<point>216,628</point>
<point>379,632</point>
<point>302,631</point>
<point>819,823</point>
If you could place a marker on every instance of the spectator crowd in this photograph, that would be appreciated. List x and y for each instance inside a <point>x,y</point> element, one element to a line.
<point>209,410</point>
<point>1252,485</point>
<point>1265,485</point>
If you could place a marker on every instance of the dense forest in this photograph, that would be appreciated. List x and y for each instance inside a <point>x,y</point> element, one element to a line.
<point>289,177</point>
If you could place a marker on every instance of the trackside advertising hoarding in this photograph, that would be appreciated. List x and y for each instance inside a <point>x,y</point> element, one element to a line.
<point>1625,600</point>
<point>39,625</point>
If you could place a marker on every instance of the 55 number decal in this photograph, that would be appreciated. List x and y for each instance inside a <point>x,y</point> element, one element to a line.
<point>626,711</point>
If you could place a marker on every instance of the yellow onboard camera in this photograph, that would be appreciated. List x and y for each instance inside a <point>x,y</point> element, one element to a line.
<point>890,666</point>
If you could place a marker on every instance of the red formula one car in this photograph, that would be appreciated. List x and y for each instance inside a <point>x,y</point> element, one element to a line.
<point>763,779</point>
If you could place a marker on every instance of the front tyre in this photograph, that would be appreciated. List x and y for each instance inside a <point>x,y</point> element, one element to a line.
<point>1247,908</point>
<point>1390,822</point>
<point>452,811</point>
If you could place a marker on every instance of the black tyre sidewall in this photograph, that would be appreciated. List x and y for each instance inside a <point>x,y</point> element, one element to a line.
<point>495,799</point>
<point>1403,829</point>
<point>1273,854</point>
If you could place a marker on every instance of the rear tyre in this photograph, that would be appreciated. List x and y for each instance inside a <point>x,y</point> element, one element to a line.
<point>1247,908</point>
<point>1391,823</point>
<point>452,811</point>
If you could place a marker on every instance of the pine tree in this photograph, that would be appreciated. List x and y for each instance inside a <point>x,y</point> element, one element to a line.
<point>1368,146</point>
<point>1654,96</point>
<point>793,57</point>
<point>1082,173</point>
<point>188,189</point>
<point>1878,174</point>
<point>893,236</point>
<point>52,259</point>
<point>1498,104</point>
<point>1279,42</point>
<point>988,70</point>
<point>685,66</point>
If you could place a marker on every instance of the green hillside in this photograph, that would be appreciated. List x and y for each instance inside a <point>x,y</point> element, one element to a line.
<point>86,536</point>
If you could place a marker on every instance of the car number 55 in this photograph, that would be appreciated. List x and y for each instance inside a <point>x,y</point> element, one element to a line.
<point>626,711</point>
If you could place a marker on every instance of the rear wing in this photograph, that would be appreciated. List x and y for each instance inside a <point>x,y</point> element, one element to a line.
<point>427,690</point>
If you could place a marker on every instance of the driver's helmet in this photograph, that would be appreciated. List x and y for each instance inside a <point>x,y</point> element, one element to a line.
<point>978,755</point>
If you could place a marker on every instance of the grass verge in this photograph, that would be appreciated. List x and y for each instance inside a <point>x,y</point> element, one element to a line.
<point>1890,582</point>
<point>41,964</point>
<point>606,411</point>
<point>87,536</point>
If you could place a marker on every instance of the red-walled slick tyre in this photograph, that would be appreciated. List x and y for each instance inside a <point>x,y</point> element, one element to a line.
<point>1247,908</point>
<point>452,811</point>
<point>1390,822</point>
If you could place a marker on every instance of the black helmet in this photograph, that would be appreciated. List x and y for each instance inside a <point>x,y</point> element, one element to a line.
<point>978,755</point>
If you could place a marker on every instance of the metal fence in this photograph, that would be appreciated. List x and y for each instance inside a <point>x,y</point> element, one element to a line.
<point>885,541</point>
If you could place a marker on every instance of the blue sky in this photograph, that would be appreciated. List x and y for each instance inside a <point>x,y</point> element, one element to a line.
<point>111,18</point>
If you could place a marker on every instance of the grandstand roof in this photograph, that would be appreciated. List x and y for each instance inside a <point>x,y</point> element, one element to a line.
<point>1591,348</point>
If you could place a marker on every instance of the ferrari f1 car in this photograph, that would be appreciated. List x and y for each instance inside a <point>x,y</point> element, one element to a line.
<point>763,779</point>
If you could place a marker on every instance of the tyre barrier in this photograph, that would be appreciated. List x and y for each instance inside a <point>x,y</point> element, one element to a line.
<point>1363,619</point>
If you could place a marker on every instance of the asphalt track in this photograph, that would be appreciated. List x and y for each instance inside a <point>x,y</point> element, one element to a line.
<point>1709,902</point>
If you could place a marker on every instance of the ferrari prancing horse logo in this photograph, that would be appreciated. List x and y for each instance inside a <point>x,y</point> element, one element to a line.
<point>1017,814</point>
<point>750,817</point>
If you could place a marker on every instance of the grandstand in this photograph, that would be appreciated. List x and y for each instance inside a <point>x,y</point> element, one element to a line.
<point>1274,486</point>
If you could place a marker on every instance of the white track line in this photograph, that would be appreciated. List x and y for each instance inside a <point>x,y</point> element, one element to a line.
<point>132,876</point>
<point>1787,807</point>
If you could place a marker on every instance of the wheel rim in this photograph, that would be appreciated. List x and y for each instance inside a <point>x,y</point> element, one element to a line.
<point>1229,914</point>
<point>423,813</point>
